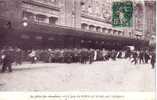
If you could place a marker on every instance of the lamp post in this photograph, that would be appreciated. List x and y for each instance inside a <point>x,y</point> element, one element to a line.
<point>25,24</point>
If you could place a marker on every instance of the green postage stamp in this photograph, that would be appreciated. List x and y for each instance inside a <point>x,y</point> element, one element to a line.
<point>122,14</point>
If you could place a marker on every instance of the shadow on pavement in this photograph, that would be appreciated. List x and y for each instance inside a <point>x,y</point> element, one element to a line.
<point>21,68</point>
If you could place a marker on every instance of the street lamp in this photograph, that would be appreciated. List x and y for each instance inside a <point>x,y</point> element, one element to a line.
<point>25,24</point>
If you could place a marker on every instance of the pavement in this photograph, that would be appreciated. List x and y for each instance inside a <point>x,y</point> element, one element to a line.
<point>110,76</point>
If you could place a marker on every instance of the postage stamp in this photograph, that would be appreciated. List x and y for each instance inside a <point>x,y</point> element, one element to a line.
<point>122,14</point>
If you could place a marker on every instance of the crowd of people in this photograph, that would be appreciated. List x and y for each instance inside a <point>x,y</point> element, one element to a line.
<point>11,55</point>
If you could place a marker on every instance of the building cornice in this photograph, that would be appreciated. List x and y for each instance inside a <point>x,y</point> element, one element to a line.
<point>52,6</point>
<point>93,18</point>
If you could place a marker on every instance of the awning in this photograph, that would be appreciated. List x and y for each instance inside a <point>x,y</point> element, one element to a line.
<point>57,30</point>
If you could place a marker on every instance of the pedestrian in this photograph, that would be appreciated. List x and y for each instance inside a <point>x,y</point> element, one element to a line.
<point>135,55</point>
<point>146,57</point>
<point>119,55</point>
<point>141,57</point>
<point>113,54</point>
<point>18,56</point>
<point>8,60</point>
<point>95,55</point>
<point>33,56</point>
<point>91,56</point>
<point>153,60</point>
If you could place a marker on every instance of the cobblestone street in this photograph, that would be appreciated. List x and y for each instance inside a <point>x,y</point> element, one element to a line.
<point>119,75</point>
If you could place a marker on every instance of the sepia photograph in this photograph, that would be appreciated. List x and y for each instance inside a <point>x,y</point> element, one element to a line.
<point>77,45</point>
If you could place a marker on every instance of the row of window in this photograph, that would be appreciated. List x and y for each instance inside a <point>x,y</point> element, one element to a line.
<point>52,20</point>
<point>85,26</point>
<point>39,18</point>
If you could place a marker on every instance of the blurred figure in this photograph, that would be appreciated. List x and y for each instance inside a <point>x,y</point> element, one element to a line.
<point>113,54</point>
<point>95,55</point>
<point>135,55</point>
<point>153,60</point>
<point>33,57</point>
<point>119,54</point>
<point>146,57</point>
<point>91,56</point>
<point>18,56</point>
<point>141,57</point>
<point>8,59</point>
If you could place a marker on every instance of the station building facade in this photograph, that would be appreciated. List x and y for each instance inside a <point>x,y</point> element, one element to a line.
<point>72,24</point>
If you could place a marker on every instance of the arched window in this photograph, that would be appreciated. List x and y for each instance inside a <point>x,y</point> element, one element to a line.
<point>104,30</point>
<point>119,33</point>
<point>91,27</point>
<point>130,34</point>
<point>84,26</point>
<point>28,15</point>
<point>41,18</point>
<point>98,29</point>
<point>109,31</point>
<point>114,32</point>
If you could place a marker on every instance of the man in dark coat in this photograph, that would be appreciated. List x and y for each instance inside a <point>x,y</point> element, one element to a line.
<point>8,60</point>
<point>135,55</point>
<point>141,57</point>
<point>146,57</point>
<point>91,56</point>
<point>153,60</point>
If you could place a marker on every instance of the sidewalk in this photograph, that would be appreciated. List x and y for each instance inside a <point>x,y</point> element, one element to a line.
<point>39,65</point>
<point>119,75</point>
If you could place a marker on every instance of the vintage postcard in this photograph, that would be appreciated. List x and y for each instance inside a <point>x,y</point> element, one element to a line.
<point>77,49</point>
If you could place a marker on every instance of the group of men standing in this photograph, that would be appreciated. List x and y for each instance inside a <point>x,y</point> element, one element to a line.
<point>143,57</point>
<point>83,56</point>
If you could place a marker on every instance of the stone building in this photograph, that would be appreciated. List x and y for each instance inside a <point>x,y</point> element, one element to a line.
<point>70,23</point>
<point>145,19</point>
<point>150,22</point>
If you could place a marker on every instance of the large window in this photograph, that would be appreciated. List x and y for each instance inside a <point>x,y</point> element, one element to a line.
<point>84,26</point>
<point>98,29</point>
<point>104,30</point>
<point>92,28</point>
<point>41,18</point>
<point>28,15</point>
<point>130,34</point>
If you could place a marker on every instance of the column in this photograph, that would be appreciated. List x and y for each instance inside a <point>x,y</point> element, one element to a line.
<point>77,13</point>
<point>68,12</point>
<point>61,19</point>
<point>144,19</point>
